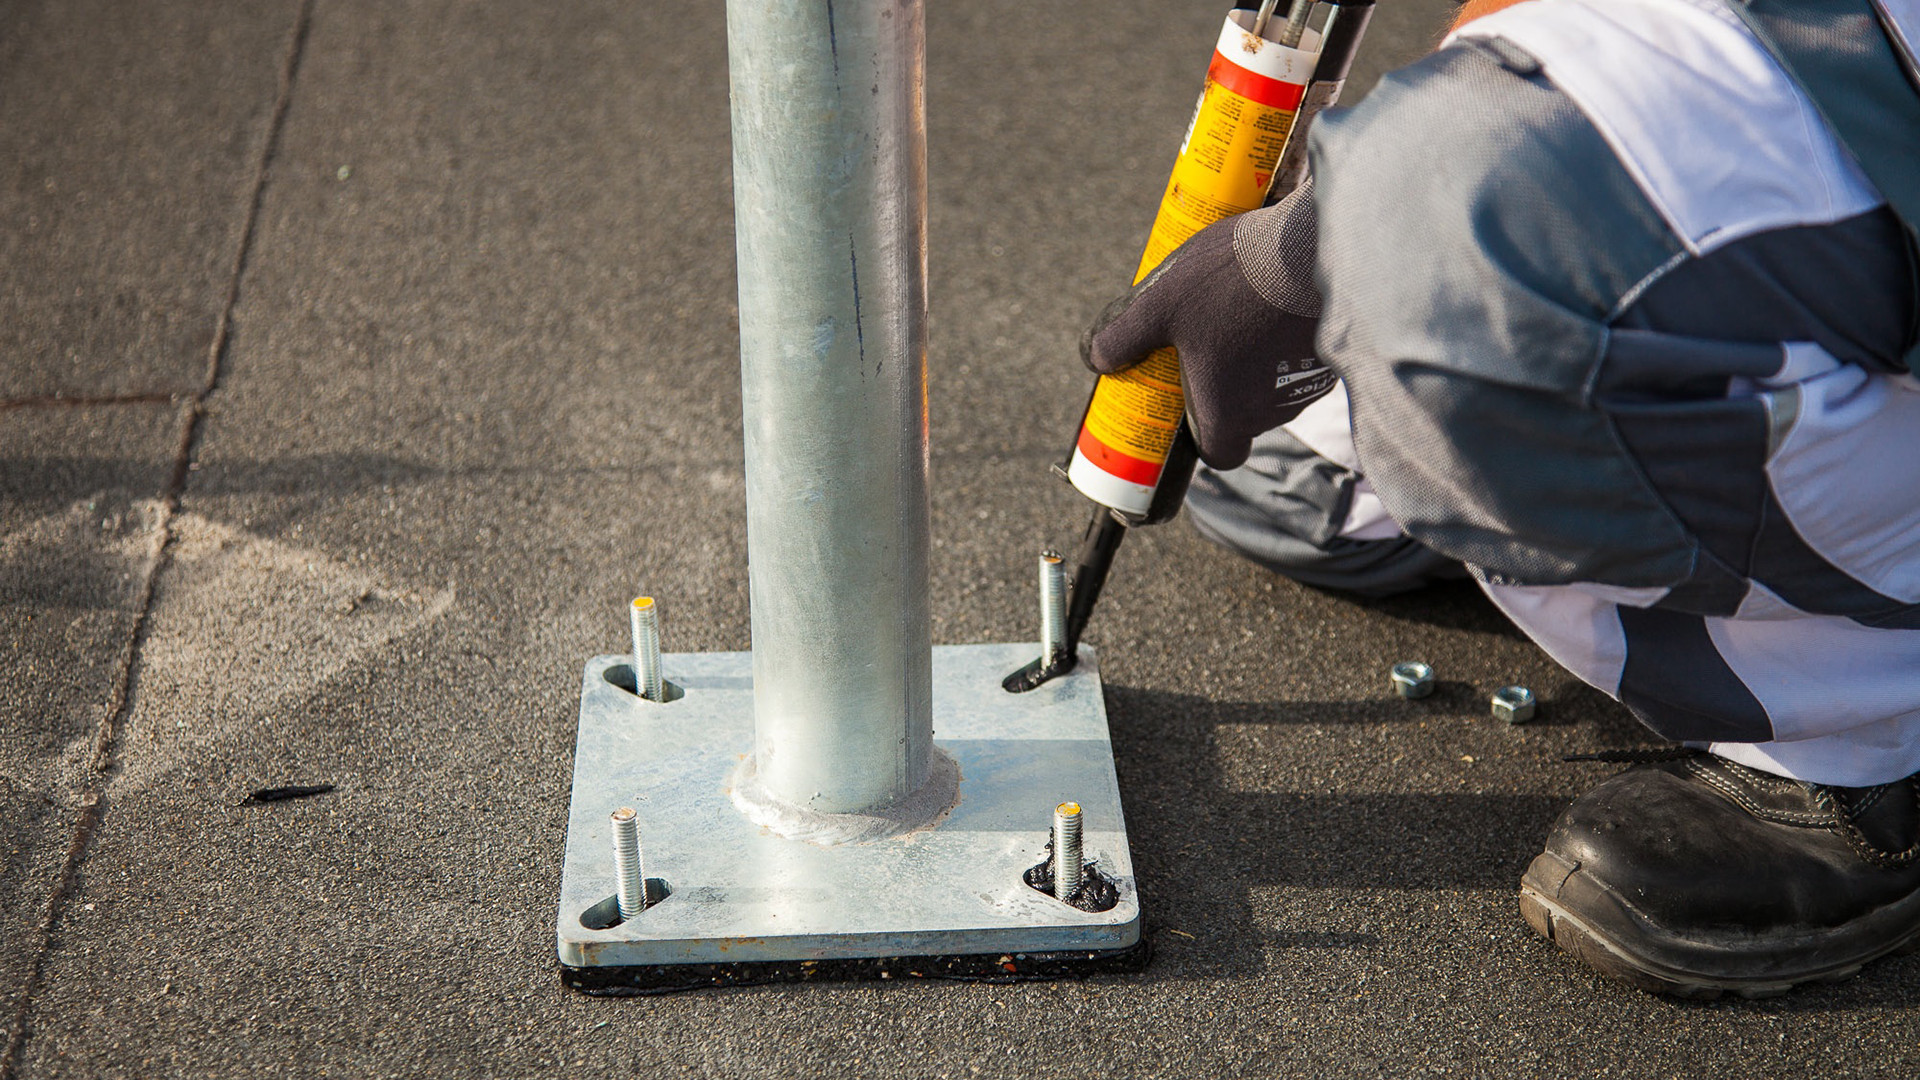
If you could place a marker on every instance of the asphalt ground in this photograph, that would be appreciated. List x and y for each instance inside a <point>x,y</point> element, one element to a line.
<point>361,358</point>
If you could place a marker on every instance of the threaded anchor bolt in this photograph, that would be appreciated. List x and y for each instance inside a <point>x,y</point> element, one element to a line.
<point>1296,23</point>
<point>1066,851</point>
<point>629,875</point>
<point>1412,679</point>
<point>1053,608</point>
<point>647,680</point>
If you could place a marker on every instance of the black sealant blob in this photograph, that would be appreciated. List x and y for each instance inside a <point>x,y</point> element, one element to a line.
<point>1039,671</point>
<point>1097,891</point>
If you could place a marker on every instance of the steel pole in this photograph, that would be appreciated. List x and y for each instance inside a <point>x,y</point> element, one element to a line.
<point>829,174</point>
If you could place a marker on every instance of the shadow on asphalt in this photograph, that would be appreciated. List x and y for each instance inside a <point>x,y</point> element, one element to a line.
<point>1201,850</point>
<point>1564,703</point>
<point>1453,605</point>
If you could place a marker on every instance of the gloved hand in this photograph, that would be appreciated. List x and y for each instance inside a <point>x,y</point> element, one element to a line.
<point>1237,301</point>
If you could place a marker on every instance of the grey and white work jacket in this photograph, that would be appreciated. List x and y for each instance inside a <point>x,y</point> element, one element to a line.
<point>1624,327</point>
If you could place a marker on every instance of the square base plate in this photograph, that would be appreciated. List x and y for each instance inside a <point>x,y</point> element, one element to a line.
<point>729,891</point>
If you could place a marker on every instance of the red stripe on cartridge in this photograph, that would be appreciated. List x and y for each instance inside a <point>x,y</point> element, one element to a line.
<point>1252,85</point>
<point>1111,461</point>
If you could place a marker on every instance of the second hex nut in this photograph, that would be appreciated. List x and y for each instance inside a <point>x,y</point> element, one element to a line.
<point>1514,704</point>
<point>1412,679</point>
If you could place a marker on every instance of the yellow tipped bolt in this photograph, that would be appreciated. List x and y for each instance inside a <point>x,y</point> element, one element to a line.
<point>1066,851</point>
<point>647,681</point>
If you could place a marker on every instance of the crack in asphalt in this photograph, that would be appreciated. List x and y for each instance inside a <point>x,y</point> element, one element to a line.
<point>93,801</point>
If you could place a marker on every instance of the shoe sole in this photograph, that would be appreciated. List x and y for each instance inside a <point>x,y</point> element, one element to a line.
<point>1612,959</point>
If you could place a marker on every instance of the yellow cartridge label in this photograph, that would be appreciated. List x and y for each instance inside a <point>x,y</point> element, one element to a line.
<point>1239,128</point>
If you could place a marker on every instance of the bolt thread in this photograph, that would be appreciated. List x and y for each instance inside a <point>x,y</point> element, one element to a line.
<point>630,876</point>
<point>1296,23</point>
<point>1067,858</point>
<point>1053,607</point>
<point>647,681</point>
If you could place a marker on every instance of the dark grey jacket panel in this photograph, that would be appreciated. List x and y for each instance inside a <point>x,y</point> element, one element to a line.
<point>1840,54</point>
<point>1549,381</point>
<point>1707,458</point>
<point>1476,235</point>
<point>1847,286</point>
<point>1571,322</point>
<point>1678,684</point>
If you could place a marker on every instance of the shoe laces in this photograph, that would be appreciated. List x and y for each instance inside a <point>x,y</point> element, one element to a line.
<point>1843,823</point>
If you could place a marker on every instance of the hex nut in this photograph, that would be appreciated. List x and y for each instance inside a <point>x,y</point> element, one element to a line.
<point>1514,704</point>
<point>1412,679</point>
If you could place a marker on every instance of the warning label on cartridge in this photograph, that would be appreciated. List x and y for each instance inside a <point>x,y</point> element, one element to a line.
<point>1133,416</point>
<point>1239,128</point>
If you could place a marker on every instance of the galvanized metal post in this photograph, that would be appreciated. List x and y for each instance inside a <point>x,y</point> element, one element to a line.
<point>830,219</point>
<point>829,172</point>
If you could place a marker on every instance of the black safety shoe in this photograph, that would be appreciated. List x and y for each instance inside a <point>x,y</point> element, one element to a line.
<point>1697,876</point>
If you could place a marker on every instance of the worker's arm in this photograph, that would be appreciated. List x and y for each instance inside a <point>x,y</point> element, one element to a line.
<point>1238,303</point>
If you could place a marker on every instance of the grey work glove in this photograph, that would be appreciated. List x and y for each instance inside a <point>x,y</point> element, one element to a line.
<point>1237,301</point>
